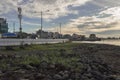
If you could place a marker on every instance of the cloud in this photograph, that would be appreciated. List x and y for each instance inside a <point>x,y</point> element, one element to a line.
<point>106,3</point>
<point>32,8</point>
<point>107,20</point>
<point>30,23</point>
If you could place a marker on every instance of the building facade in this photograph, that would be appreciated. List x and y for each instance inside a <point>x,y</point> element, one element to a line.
<point>3,26</point>
<point>42,34</point>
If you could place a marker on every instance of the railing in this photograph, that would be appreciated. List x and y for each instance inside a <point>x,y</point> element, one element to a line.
<point>16,42</point>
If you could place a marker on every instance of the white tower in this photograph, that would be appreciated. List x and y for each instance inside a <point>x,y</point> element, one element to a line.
<point>20,18</point>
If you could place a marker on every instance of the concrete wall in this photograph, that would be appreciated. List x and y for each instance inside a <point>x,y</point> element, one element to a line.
<point>15,42</point>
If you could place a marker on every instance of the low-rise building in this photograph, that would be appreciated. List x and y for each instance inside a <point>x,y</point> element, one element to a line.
<point>42,34</point>
<point>50,35</point>
<point>92,36</point>
<point>78,37</point>
<point>56,35</point>
<point>67,36</point>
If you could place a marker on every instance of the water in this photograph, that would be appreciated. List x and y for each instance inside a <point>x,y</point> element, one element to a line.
<point>111,42</point>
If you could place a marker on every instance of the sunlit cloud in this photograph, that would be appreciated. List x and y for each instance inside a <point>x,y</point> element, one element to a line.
<point>79,17</point>
<point>106,20</point>
<point>51,8</point>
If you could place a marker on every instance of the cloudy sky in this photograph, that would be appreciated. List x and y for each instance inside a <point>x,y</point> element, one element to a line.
<point>101,17</point>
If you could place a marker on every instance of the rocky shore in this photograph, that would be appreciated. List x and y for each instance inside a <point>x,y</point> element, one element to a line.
<point>73,62</point>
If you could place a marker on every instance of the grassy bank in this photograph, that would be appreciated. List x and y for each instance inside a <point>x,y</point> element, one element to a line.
<point>52,53</point>
<point>73,57</point>
<point>64,53</point>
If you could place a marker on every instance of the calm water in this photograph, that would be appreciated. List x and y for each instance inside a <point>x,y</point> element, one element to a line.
<point>111,42</point>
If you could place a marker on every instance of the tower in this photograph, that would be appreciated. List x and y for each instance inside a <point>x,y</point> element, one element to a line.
<point>20,19</point>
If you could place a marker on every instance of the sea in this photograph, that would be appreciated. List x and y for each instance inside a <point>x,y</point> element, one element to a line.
<point>110,42</point>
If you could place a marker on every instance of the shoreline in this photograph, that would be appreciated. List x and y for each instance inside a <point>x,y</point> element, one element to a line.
<point>107,42</point>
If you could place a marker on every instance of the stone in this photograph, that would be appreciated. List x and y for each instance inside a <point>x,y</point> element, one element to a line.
<point>43,64</point>
<point>39,76</point>
<point>118,78</point>
<point>57,77</point>
<point>0,72</point>
<point>20,71</point>
<point>110,78</point>
<point>52,66</point>
<point>24,79</point>
<point>27,67</point>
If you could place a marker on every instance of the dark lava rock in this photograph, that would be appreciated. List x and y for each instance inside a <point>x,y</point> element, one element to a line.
<point>58,77</point>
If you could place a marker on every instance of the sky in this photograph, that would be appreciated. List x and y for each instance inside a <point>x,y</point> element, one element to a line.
<point>84,17</point>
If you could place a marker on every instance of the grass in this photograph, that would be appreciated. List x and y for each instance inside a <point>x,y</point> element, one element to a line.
<point>62,53</point>
<point>52,46</point>
<point>35,54</point>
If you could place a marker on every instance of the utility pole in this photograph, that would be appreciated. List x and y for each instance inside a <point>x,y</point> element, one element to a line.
<point>41,13</point>
<point>57,29</point>
<point>20,19</point>
<point>41,25</point>
<point>13,27</point>
<point>60,30</point>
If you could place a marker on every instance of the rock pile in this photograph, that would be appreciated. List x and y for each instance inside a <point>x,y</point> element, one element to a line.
<point>91,67</point>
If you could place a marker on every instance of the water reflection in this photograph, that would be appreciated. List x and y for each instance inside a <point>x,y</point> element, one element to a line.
<point>111,42</point>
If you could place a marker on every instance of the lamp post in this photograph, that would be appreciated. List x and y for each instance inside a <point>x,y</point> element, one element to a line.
<point>20,19</point>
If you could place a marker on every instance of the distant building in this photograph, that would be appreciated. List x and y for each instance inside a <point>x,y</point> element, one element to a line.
<point>92,36</point>
<point>9,35</point>
<point>44,34</point>
<point>56,35</point>
<point>75,36</point>
<point>78,37</point>
<point>67,36</point>
<point>32,36</point>
<point>82,37</point>
<point>3,26</point>
<point>50,35</point>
